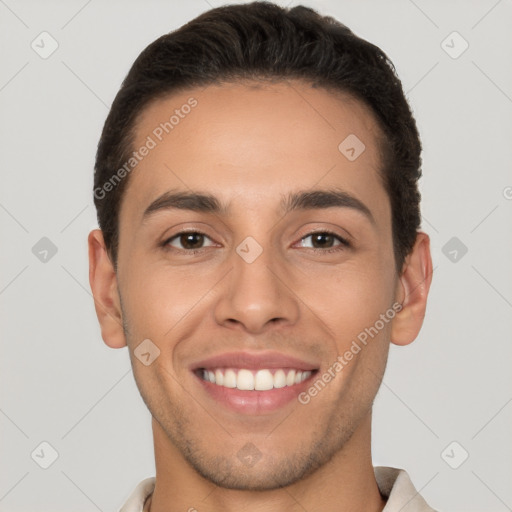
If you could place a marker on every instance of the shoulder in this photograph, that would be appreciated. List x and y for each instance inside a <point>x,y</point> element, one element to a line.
<point>135,502</point>
<point>396,485</point>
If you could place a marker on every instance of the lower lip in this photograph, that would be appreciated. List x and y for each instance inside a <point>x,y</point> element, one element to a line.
<point>254,402</point>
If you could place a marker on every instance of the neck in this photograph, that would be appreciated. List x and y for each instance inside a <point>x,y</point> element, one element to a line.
<point>346,482</point>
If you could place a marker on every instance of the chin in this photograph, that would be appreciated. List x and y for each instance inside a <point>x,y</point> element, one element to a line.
<point>266,477</point>
<point>261,473</point>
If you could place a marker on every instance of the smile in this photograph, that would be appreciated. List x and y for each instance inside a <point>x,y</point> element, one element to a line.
<point>254,380</point>
<point>253,383</point>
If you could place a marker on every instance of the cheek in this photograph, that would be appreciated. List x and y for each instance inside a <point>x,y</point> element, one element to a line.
<point>350,299</point>
<point>160,302</point>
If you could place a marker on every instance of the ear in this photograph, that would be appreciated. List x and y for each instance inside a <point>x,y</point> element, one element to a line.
<point>412,291</point>
<point>103,281</point>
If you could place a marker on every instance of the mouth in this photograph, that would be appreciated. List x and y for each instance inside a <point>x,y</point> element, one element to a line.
<point>245,379</point>
<point>254,383</point>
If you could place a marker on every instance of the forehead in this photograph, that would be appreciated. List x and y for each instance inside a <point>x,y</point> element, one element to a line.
<point>245,141</point>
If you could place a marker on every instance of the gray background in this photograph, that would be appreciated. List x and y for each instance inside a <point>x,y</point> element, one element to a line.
<point>61,384</point>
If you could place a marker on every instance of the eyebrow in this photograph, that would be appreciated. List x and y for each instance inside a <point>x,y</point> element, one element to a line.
<point>294,201</point>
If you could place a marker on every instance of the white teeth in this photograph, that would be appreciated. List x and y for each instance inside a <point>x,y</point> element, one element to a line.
<point>290,378</point>
<point>279,379</point>
<point>229,379</point>
<point>263,380</point>
<point>245,380</point>
<point>249,380</point>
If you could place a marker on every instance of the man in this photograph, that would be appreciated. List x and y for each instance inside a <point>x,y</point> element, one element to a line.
<point>256,189</point>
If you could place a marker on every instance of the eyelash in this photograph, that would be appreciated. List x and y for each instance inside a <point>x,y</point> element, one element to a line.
<point>344,244</point>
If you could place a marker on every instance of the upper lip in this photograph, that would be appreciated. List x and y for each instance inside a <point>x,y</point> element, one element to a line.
<point>254,361</point>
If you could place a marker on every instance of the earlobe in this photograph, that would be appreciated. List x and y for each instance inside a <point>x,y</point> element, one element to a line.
<point>103,282</point>
<point>412,292</point>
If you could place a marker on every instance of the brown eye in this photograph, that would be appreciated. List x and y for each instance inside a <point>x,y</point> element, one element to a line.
<point>324,240</point>
<point>188,241</point>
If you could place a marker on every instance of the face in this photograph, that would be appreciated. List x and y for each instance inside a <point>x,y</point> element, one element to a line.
<point>262,279</point>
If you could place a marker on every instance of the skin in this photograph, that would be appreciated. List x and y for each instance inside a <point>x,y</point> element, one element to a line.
<point>249,144</point>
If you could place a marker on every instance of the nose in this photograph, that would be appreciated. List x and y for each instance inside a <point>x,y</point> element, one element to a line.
<point>257,295</point>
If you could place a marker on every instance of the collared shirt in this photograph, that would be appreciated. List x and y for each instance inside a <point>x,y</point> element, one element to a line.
<point>394,484</point>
